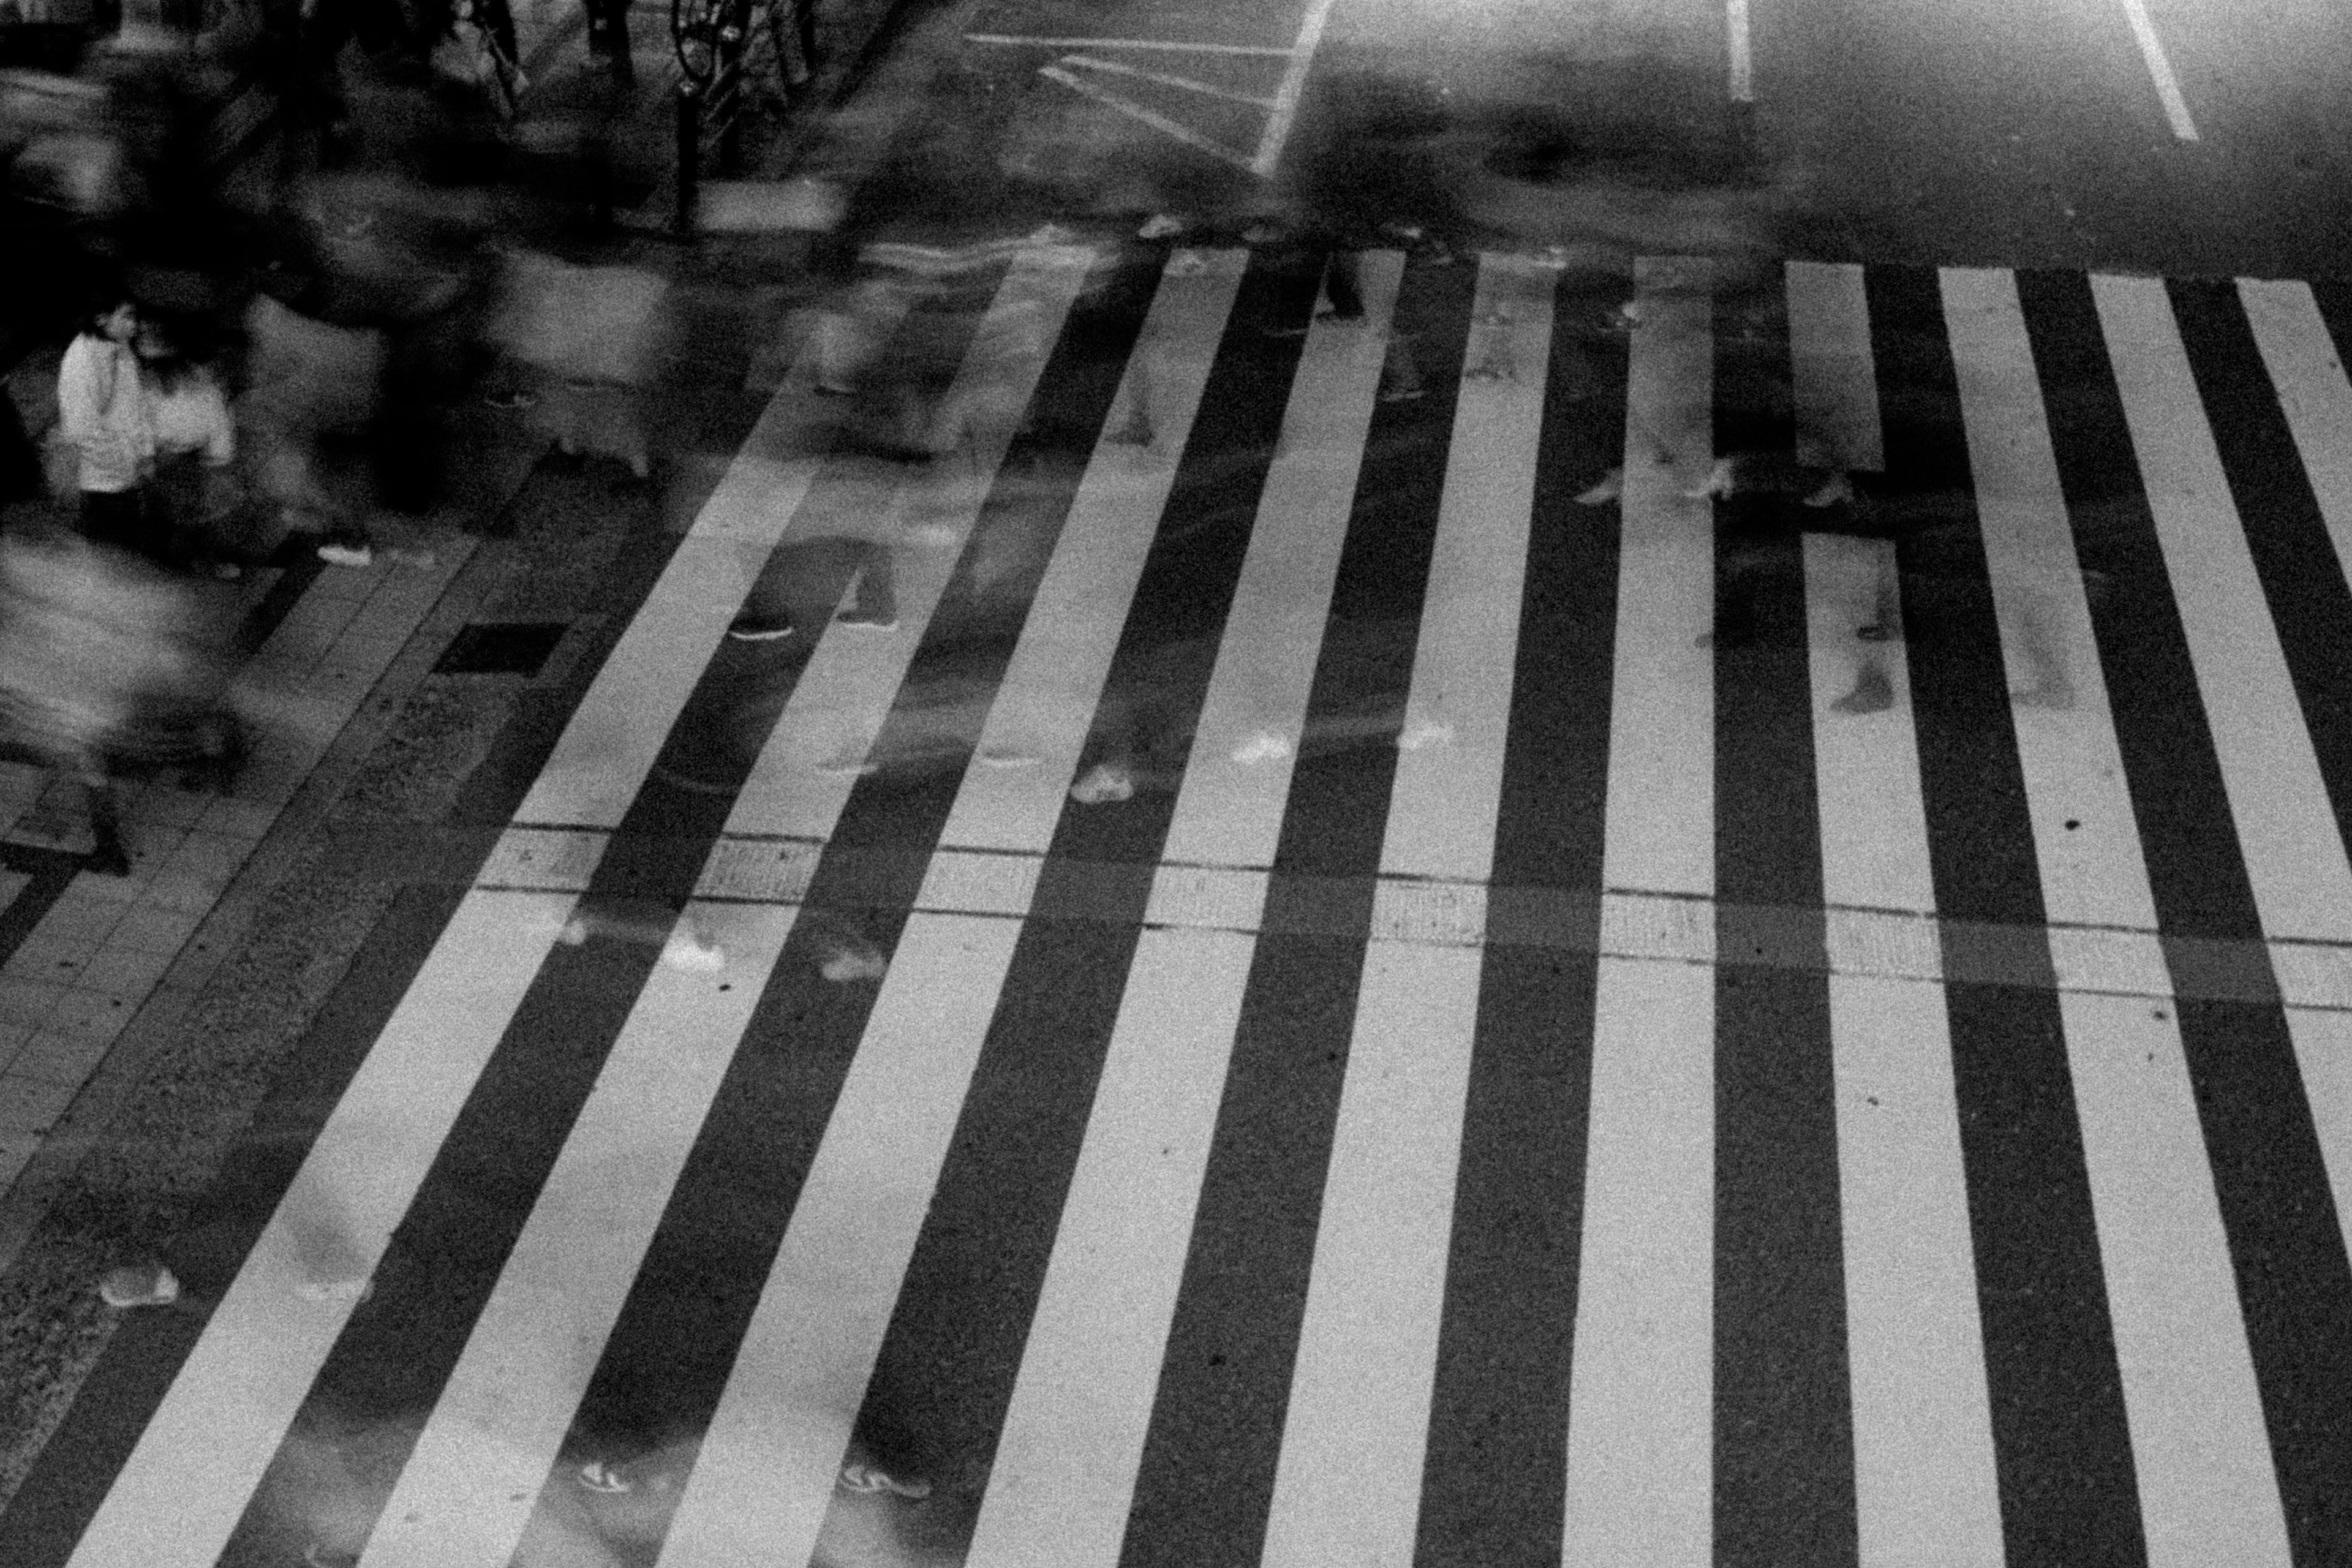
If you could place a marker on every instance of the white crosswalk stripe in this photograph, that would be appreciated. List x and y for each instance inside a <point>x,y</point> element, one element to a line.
<point>2197,1354</point>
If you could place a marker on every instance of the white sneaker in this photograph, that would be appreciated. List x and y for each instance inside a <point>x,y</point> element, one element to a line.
<point>1265,746</point>
<point>1104,782</point>
<point>599,1476</point>
<point>1834,490</point>
<point>858,1477</point>
<point>848,964</point>
<point>1611,486</point>
<point>145,1285</point>
<point>696,955</point>
<point>1423,733</point>
<point>1161,226</point>
<point>346,556</point>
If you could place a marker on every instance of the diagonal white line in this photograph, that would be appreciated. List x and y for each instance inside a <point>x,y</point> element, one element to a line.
<point>2167,87</point>
<point>1159,45</point>
<point>1735,24</point>
<point>1184,83</point>
<point>1064,1478</point>
<point>1158,122</point>
<point>1294,82</point>
<point>1348,1483</point>
<point>765,1475</point>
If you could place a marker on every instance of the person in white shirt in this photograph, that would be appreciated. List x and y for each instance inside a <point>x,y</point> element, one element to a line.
<point>102,412</point>
<point>196,442</point>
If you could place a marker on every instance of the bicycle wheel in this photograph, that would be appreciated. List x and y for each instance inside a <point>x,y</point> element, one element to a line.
<point>694,29</point>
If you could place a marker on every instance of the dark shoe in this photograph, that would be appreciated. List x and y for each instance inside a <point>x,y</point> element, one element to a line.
<point>752,626</point>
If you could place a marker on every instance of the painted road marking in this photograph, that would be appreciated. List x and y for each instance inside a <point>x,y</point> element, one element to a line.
<point>1640,1389</point>
<point>765,1472</point>
<point>1285,95</point>
<point>1053,682</point>
<point>178,1497</point>
<point>809,763</point>
<point>1925,1481</point>
<point>1166,79</point>
<point>1228,810</point>
<point>2323,1050</point>
<point>1068,1455</point>
<point>1168,45</point>
<point>1661,799</point>
<point>468,1491</point>
<point>1834,380</point>
<point>1735,22</point>
<point>1460,700</point>
<point>2295,854</point>
<point>1346,1487</point>
<point>2207,1487</point>
<point>609,744</point>
<point>1138,112</point>
<point>2160,69</point>
<point>2085,830</point>
<point>1281,110</point>
<point>2305,368</point>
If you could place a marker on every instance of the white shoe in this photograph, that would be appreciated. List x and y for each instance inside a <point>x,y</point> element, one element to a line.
<point>1834,490</point>
<point>1423,733</point>
<point>1717,481</point>
<point>1265,746</point>
<point>845,963</point>
<point>1104,782</point>
<point>696,955</point>
<point>1162,225</point>
<point>149,1285</point>
<point>352,1290</point>
<point>858,1477</point>
<point>1611,486</point>
<point>599,1476</point>
<point>347,556</point>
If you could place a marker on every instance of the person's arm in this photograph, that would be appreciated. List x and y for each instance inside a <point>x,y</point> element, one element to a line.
<point>79,415</point>
<point>220,441</point>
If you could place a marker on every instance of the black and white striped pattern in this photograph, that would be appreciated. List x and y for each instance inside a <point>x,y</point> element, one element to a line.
<point>1645,1114</point>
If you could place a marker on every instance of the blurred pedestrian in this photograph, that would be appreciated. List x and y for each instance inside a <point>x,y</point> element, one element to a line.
<point>195,443</point>
<point>102,416</point>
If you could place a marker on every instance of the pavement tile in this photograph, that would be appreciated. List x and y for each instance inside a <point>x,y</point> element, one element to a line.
<point>89,1015</point>
<point>17,1151</point>
<point>32,1104</point>
<point>76,915</point>
<point>167,805</point>
<point>210,854</point>
<point>396,611</point>
<point>146,930</point>
<point>42,958</point>
<point>28,1003</point>
<point>186,893</point>
<point>53,1056</point>
<point>14,1038</point>
<point>128,972</point>
<point>238,818</point>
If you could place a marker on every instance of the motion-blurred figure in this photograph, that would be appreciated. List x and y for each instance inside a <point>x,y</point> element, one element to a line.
<point>307,379</point>
<point>106,664</point>
<point>595,335</point>
<point>195,443</point>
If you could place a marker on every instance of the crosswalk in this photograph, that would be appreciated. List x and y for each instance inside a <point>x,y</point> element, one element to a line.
<point>1509,1076</point>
